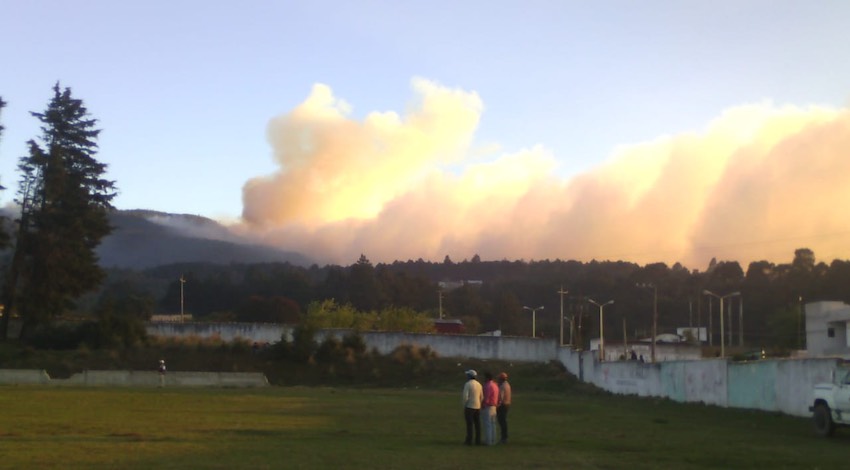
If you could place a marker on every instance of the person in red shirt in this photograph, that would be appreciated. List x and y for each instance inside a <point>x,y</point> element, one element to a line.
<point>488,409</point>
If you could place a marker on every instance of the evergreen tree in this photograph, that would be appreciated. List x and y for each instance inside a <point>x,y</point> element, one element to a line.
<point>65,202</point>
<point>2,105</point>
<point>4,236</point>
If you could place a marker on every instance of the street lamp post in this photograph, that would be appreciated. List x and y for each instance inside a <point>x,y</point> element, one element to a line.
<point>654,317</point>
<point>721,298</point>
<point>740,321</point>
<point>562,292</point>
<point>533,319</point>
<point>601,326</point>
<point>182,281</point>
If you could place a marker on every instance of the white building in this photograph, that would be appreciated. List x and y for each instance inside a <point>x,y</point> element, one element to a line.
<point>826,328</point>
<point>664,350</point>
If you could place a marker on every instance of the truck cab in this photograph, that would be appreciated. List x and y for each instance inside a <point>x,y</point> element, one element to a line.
<point>831,403</point>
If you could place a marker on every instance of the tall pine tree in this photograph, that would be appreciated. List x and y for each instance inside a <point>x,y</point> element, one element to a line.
<point>65,203</point>
<point>4,236</point>
<point>2,105</point>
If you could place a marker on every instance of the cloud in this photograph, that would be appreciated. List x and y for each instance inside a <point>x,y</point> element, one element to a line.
<point>756,183</point>
<point>334,168</point>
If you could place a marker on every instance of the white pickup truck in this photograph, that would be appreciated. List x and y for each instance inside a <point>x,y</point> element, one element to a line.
<point>831,403</point>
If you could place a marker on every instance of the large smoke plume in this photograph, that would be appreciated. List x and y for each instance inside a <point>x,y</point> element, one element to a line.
<point>756,183</point>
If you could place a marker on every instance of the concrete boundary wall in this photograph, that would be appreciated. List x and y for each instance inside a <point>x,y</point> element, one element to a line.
<point>482,347</point>
<point>23,377</point>
<point>783,385</point>
<point>254,332</point>
<point>128,378</point>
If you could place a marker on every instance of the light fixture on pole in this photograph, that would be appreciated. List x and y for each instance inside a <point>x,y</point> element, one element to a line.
<point>533,319</point>
<point>721,298</point>
<point>182,281</point>
<point>562,292</point>
<point>601,326</point>
<point>654,316</point>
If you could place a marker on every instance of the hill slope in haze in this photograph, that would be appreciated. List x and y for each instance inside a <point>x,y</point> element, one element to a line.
<point>144,239</point>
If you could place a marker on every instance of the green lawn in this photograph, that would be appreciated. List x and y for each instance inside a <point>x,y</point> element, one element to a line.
<point>295,427</point>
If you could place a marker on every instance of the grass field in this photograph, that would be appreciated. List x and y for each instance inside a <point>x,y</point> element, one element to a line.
<point>295,427</point>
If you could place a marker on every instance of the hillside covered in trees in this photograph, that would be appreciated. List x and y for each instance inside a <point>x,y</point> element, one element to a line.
<point>490,295</point>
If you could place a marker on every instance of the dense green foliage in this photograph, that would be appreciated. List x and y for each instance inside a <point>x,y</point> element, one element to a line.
<point>329,314</point>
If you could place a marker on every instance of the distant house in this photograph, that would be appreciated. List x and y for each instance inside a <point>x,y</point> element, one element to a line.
<point>826,328</point>
<point>176,318</point>
<point>446,286</point>
<point>446,326</point>
<point>664,350</point>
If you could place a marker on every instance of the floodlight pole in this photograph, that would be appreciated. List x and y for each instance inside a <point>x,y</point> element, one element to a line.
<point>601,326</point>
<point>654,317</point>
<point>533,319</point>
<point>721,297</point>
<point>562,292</point>
<point>182,281</point>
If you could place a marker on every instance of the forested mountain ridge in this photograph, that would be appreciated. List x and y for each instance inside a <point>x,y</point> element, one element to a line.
<point>144,239</point>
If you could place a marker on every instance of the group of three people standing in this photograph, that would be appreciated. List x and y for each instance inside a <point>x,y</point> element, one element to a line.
<point>484,406</point>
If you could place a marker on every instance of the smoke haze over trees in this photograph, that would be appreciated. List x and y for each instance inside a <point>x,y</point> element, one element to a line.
<point>752,184</point>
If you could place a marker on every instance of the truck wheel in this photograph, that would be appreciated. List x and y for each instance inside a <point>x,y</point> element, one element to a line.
<point>823,420</point>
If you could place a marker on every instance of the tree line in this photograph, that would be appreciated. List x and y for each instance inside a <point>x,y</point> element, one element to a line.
<point>51,270</point>
<point>491,295</point>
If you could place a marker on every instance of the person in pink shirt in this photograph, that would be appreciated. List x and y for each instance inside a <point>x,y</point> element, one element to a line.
<point>488,409</point>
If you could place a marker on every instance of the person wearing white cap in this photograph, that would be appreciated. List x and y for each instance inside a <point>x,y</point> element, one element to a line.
<point>472,396</point>
<point>161,372</point>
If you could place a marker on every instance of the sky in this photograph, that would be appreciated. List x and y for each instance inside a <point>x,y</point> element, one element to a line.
<point>651,131</point>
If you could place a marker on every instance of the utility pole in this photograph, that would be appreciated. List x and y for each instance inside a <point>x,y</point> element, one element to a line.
<point>625,339</point>
<point>722,298</point>
<point>654,316</point>
<point>710,325</point>
<point>533,319</point>
<point>699,321</point>
<point>800,323</point>
<point>182,281</point>
<point>601,326</point>
<point>562,292</point>
<point>580,333</point>
<point>654,319</point>
<point>741,321</point>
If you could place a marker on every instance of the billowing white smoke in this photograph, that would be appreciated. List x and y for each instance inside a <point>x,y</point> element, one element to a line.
<point>757,183</point>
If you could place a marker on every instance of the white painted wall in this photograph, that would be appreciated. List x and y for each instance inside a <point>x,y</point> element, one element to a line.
<point>820,318</point>
<point>783,385</point>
